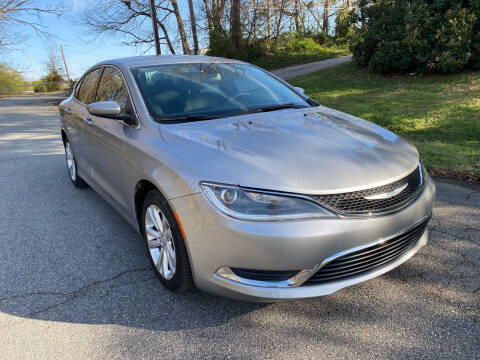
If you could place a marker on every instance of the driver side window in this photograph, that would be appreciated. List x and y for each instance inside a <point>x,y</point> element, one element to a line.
<point>86,91</point>
<point>113,88</point>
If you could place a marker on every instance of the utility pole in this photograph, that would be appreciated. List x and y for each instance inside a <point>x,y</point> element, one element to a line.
<point>153,15</point>
<point>34,69</point>
<point>65,63</point>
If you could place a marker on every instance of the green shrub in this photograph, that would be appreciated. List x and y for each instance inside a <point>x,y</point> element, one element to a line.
<point>307,42</point>
<point>301,45</point>
<point>417,36</point>
<point>40,88</point>
<point>53,80</point>
<point>71,86</point>
<point>11,81</point>
<point>221,46</point>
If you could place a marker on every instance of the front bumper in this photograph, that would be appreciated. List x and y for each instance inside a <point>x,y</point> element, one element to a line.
<point>215,241</point>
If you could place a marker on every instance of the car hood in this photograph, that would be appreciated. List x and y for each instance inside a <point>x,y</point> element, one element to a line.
<point>311,151</point>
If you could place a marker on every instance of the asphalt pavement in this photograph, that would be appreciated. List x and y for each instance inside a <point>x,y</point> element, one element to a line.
<point>75,281</point>
<point>291,72</point>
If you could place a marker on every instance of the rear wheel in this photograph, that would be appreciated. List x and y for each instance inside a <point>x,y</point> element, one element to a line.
<point>165,244</point>
<point>72,166</point>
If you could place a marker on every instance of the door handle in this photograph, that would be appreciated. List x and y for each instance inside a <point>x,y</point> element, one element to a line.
<point>88,121</point>
<point>68,111</point>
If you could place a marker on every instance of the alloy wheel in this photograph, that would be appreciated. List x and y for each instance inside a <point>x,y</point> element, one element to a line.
<point>160,242</point>
<point>70,161</point>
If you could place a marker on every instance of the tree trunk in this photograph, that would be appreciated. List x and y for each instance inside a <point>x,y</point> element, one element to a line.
<point>209,16</point>
<point>296,17</point>
<point>235,24</point>
<point>269,12</point>
<point>218,7</point>
<point>153,15</point>
<point>326,9</point>
<point>278,16</point>
<point>194,27</point>
<point>181,28</point>
<point>254,22</point>
<point>167,38</point>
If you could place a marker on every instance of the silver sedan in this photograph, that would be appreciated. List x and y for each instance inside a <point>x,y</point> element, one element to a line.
<point>241,184</point>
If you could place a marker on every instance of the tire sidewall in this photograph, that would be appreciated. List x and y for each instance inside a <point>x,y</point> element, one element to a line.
<point>180,280</point>
<point>78,182</point>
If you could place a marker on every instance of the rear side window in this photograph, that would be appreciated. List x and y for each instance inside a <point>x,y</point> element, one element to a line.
<point>112,87</point>
<point>86,92</point>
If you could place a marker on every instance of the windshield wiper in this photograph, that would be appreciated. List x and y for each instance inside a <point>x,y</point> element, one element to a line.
<point>187,118</point>
<point>277,107</point>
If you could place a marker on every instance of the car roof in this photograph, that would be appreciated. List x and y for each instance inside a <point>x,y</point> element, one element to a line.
<point>137,61</point>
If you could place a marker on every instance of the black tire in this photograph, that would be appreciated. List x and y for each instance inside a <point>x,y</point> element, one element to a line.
<point>182,279</point>
<point>76,180</point>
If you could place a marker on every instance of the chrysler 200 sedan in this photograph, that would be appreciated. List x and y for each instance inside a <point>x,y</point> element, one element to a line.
<point>241,184</point>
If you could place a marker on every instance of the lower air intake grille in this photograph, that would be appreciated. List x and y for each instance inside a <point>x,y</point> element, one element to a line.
<point>264,275</point>
<point>359,262</point>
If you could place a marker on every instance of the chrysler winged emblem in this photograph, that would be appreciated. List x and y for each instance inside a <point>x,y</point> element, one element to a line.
<point>386,195</point>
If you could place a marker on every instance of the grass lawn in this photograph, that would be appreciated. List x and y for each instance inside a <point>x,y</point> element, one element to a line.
<point>438,114</point>
<point>283,58</point>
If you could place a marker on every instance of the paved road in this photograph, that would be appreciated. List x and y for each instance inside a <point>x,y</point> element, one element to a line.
<point>75,281</point>
<point>299,70</point>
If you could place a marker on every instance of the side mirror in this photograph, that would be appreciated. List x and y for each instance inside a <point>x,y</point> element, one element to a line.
<point>109,109</point>
<point>300,90</point>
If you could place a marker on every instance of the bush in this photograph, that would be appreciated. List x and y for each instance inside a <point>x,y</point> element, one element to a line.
<point>40,88</point>
<point>53,80</point>
<point>307,42</point>
<point>301,45</point>
<point>417,36</point>
<point>222,46</point>
<point>11,81</point>
<point>71,86</point>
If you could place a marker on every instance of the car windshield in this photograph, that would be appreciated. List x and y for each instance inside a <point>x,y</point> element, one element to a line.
<point>197,91</point>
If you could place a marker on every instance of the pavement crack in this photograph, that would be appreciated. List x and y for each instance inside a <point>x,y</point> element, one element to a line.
<point>454,235</point>
<point>74,294</point>
<point>470,194</point>
<point>36,293</point>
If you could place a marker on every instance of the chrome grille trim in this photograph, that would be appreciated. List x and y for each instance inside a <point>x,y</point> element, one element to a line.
<point>367,203</point>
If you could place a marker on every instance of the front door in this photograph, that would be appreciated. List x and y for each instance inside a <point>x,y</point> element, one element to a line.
<point>76,114</point>
<point>106,136</point>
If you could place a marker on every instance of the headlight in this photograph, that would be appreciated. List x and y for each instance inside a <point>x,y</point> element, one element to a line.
<point>252,205</point>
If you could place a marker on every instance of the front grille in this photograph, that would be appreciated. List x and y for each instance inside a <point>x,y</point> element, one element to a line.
<point>264,275</point>
<point>354,203</point>
<point>358,262</point>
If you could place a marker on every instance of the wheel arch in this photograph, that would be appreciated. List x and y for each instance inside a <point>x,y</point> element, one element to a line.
<point>64,136</point>
<point>142,188</point>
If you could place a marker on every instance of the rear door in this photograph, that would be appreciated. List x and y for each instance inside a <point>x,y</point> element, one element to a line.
<point>84,95</point>
<point>106,136</point>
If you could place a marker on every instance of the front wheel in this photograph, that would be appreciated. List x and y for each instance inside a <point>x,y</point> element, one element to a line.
<point>165,244</point>
<point>77,181</point>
